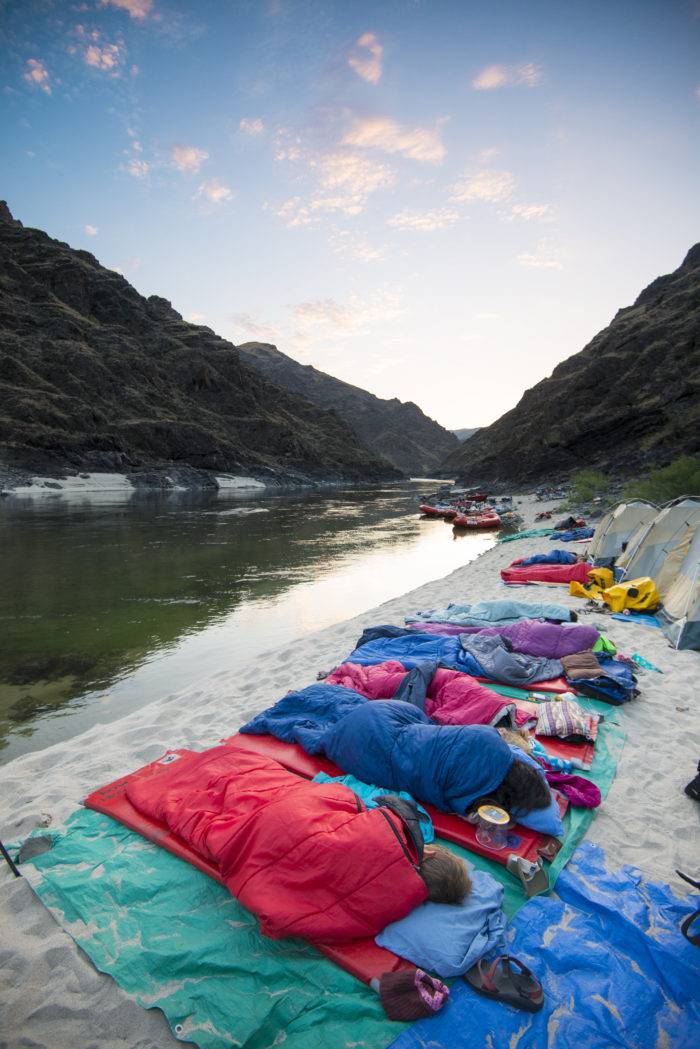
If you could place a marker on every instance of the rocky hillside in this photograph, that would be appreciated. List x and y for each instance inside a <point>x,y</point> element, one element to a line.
<point>628,400</point>
<point>397,430</point>
<point>95,376</point>
<point>464,435</point>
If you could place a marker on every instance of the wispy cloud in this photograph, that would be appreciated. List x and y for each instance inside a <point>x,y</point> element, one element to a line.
<point>215,191</point>
<point>485,156</point>
<point>388,136</point>
<point>252,330</point>
<point>366,58</point>
<point>91,231</point>
<point>194,318</point>
<point>350,244</point>
<point>188,158</point>
<point>491,187</point>
<point>492,77</point>
<point>529,211</point>
<point>345,182</point>
<point>327,320</point>
<point>697,92</point>
<point>424,221</point>
<point>545,256</point>
<point>137,168</point>
<point>137,8</point>
<point>36,74</point>
<point>251,126</point>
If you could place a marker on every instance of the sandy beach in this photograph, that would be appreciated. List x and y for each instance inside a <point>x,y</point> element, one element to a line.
<point>51,994</point>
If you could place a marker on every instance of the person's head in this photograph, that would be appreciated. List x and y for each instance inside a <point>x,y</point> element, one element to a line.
<point>445,875</point>
<point>516,737</point>
<point>523,789</point>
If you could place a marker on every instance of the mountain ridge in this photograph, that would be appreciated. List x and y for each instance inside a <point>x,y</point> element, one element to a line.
<point>628,400</point>
<point>398,430</point>
<point>95,376</point>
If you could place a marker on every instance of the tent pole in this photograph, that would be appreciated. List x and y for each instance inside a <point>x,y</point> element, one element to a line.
<point>8,859</point>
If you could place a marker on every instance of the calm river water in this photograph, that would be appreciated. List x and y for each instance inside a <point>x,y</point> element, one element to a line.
<point>109,602</point>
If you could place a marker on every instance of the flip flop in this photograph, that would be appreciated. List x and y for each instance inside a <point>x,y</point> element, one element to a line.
<point>500,981</point>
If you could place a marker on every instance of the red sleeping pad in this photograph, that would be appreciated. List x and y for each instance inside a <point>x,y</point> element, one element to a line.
<point>556,684</point>
<point>447,825</point>
<point>547,573</point>
<point>363,959</point>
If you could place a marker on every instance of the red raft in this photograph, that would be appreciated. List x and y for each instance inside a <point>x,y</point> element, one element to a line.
<point>488,519</point>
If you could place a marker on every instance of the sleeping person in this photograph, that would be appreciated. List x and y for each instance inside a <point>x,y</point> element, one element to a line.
<point>454,767</point>
<point>308,859</point>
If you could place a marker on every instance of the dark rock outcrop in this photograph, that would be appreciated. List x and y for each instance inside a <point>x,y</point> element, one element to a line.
<point>397,430</point>
<point>95,376</point>
<point>628,400</point>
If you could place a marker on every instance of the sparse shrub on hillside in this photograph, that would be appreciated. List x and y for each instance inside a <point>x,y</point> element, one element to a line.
<point>587,485</point>
<point>681,477</point>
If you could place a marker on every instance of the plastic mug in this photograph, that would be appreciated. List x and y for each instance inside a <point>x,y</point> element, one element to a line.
<point>492,827</point>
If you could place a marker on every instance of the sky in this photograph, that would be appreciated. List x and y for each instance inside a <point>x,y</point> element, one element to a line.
<point>436,200</point>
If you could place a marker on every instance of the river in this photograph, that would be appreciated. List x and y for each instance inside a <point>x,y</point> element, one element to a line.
<point>111,601</point>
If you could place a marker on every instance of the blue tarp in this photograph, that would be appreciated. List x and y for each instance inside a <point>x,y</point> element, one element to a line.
<point>572,536</point>
<point>616,971</point>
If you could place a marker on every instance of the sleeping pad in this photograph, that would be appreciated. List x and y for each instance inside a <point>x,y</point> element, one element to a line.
<point>396,745</point>
<point>307,859</point>
<point>577,573</point>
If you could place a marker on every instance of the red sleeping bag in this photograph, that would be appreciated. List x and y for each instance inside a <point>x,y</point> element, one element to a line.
<point>547,573</point>
<point>306,859</point>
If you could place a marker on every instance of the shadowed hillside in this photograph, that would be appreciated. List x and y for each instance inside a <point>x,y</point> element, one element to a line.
<point>95,376</point>
<point>629,399</point>
<point>397,430</point>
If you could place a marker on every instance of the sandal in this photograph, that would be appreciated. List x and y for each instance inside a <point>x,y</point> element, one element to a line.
<point>500,981</point>
<point>694,938</point>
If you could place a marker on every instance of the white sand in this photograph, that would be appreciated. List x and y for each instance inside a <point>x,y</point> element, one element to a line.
<point>50,994</point>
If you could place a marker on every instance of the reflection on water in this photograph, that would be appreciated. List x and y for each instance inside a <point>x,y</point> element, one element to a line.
<point>108,603</point>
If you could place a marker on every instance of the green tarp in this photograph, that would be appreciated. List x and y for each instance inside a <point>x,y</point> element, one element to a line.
<point>176,940</point>
<point>531,533</point>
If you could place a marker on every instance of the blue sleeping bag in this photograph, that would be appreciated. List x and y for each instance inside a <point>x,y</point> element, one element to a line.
<point>413,649</point>
<point>303,717</point>
<point>554,557</point>
<point>572,536</point>
<point>398,747</point>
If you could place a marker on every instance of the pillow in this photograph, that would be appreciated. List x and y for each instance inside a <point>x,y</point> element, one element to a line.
<point>447,939</point>
<point>546,821</point>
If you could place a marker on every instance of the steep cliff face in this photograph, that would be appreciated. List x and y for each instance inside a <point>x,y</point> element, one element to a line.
<point>397,430</point>
<point>629,399</point>
<point>95,376</point>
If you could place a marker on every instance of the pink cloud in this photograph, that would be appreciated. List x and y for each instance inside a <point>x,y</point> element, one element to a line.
<point>137,8</point>
<point>37,75</point>
<point>366,58</point>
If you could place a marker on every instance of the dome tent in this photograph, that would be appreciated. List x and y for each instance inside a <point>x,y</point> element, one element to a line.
<point>617,527</point>
<point>658,549</point>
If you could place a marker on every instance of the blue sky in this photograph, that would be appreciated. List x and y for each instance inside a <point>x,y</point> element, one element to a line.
<point>434,200</point>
